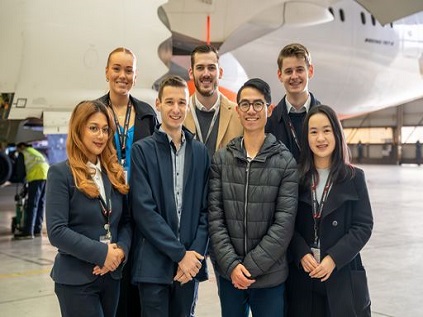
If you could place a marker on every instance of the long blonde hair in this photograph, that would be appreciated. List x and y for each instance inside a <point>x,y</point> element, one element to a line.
<point>76,150</point>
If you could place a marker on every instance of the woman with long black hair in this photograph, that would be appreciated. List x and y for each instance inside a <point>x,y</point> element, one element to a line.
<point>334,222</point>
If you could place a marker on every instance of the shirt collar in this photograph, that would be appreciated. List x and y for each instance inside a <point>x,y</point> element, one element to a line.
<point>170,139</point>
<point>96,166</point>
<point>304,108</point>
<point>201,107</point>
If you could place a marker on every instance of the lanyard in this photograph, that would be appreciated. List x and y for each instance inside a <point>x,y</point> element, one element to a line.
<point>294,135</point>
<point>318,207</point>
<point>199,135</point>
<point>106,210</point>
<point>122,135</point>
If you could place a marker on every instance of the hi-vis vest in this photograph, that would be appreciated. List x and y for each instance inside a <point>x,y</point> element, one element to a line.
<point>36,165</point>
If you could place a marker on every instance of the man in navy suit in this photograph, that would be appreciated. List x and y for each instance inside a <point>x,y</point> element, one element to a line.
<point>168,197</point>
<point>295,70</point>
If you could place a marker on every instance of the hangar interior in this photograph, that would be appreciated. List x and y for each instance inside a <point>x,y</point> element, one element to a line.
<point>388,136</point>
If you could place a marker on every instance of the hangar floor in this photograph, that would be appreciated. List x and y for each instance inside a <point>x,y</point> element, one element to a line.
<point>392,257</point>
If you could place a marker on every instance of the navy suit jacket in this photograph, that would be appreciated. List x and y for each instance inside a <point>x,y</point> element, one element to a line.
<point>278,125</point>
<point>145,119</point>
<point>75,223</point>
<point>157,249</point>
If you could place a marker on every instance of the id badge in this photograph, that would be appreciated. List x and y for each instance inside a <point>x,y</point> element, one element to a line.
<point>125,173</point>
<point>125,170</point>
<point>316,253</point>
<point>106,239</point>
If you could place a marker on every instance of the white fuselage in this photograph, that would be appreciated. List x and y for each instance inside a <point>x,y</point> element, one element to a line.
<point>54,53</point>
<point>358,67</point>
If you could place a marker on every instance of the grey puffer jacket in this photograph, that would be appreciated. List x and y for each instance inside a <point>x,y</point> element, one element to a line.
<point>252,209</point>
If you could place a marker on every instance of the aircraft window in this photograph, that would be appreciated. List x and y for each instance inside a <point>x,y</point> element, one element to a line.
<point>341,15</point>
<point>373,20</point>
<point>363,18</point>
<point>331,11</point>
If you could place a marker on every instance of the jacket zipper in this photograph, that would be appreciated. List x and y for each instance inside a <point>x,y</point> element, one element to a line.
<point>247,171</point>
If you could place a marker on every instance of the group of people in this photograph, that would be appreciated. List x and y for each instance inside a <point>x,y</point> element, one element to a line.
<point>267,192</point>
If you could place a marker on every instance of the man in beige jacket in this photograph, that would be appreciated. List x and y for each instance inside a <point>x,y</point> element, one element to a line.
<point>212,118</point>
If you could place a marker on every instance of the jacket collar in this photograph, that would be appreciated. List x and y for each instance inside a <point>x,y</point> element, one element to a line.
<point>339,194</point>
<point>163,138</point>
<point>283,113</point>
<point>269,148</point>
<point>141,109</point>
<point>226,113</point>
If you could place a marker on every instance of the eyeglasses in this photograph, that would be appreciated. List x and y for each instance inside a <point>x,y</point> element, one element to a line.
<point>257,105</point>
<point>96,130</point>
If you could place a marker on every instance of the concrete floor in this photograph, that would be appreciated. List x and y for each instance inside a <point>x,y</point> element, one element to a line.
<point>392,256</point>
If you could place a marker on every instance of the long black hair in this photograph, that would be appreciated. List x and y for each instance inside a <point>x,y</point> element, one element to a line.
<point>340,162</point>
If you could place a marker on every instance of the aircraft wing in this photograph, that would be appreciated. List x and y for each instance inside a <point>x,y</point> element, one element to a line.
<point>387,11</point>
<point>237,22</point>
<point>234,23</point>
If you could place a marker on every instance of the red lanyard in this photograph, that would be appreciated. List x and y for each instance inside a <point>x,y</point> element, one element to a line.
<point>106,210</point>
<point>318,207</point>
<point>294,135</point>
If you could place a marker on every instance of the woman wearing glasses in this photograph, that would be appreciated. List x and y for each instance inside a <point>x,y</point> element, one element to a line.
<point>86,220</point>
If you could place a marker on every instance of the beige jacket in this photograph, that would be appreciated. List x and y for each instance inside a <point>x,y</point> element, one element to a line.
<point>229,125</point>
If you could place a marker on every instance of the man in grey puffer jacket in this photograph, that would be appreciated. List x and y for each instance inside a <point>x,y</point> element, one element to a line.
<point>253,193</point>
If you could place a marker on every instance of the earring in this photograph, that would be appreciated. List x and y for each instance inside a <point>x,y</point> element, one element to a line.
<point>107,79</point>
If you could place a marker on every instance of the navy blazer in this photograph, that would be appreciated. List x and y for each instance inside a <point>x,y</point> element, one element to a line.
<point>75,223</point>
<point>278,125</point>
<point>157,249</point>
<point>145,119</point>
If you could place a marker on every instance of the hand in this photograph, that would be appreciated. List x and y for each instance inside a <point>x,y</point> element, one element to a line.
<point>114,257</point>
<point>309,263</point>
<point>324,269</point>
<point>98,270</point>
<point>240,277</point>
<point>181,277</point>
<point>190,264</point>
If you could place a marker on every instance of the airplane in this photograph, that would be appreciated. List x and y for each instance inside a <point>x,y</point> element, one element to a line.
<point>358,62</point>
<point>54,53</point>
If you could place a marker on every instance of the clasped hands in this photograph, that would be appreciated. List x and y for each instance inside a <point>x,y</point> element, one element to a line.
<point>322,270</point>
<point>114,258</point>
<point>188,267</point>
<point>241,277</point>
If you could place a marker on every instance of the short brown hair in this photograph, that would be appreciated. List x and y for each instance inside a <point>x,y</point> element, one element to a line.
<point>172,81</point>
<point>294,49</point>
<point>203,49</point>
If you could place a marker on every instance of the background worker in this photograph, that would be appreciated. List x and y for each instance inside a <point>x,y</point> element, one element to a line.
<point>36,167</point>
